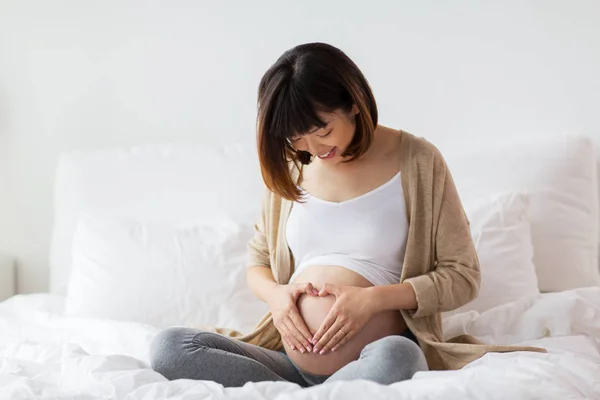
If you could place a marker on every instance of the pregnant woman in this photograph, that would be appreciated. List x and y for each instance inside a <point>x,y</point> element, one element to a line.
<point>362,242</point>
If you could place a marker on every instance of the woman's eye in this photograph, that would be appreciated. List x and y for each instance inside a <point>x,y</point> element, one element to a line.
<point>327,134</point>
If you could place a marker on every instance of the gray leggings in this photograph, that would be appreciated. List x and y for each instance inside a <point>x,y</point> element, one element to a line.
<point>186,353</point>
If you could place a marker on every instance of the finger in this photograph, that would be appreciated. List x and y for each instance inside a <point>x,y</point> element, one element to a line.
<point>325,325</point>
<point>310,289</point>
<point>335,340</point>
<point>328,335</point>
<point>295,335</point>
<point>302,329</point>
<point>289,337</point>
<point>284,335</point>
<point>348,336</point>
<point>327,289</point>
<point>324,290</point>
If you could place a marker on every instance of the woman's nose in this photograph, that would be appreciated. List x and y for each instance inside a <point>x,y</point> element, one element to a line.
<point>312,145</point>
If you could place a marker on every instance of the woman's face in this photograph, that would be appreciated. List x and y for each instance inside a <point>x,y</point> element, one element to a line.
<point>328,143</point>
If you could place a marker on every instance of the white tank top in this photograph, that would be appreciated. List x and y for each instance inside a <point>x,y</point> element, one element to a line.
<point>366,234</point>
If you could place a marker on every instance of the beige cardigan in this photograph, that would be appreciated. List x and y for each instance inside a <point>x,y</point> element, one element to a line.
<point>440,260</point>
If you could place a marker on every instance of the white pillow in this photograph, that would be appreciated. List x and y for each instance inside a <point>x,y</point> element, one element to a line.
<point>560,176</point>
<point>189,275</point>
<point>167,183</point>
<point>502,237</point>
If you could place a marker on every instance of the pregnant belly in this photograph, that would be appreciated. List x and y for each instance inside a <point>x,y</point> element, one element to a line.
<point>314,310</point>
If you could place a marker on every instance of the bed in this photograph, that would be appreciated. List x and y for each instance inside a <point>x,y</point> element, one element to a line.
<point>153,236</point>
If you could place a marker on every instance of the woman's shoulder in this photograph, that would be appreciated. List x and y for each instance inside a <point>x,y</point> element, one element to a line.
<point>417,150</point>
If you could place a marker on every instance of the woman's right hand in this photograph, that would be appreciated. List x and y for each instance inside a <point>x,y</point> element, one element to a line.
<point>287,318</point>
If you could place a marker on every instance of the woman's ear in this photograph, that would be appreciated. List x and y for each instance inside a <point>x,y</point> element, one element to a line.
<point>355,109</point>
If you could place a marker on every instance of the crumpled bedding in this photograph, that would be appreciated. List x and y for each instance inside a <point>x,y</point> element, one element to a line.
<point>44,355</point>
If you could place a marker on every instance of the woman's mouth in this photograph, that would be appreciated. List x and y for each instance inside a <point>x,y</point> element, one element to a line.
<point>328,155</point>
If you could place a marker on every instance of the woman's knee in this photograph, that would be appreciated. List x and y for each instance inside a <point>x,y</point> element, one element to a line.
<point>169,347</point>
<point>399,354</point>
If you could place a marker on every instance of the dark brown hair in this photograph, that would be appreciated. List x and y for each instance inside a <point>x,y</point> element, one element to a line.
<point>305,80</point>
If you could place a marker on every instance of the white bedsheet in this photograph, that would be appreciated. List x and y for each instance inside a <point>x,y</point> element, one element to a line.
<point>44,355</point>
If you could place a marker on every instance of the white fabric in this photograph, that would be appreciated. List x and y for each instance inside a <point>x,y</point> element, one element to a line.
<point>162,275</point>
<point>44,355</point>
<point>170,183</point>
<point>166,183</point>
<point>366,234</point>
<point>502,238</point>
<point>560,176</point>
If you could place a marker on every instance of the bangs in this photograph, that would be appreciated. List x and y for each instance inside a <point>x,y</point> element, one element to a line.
<point>294,113</point>
<point>304,85</point>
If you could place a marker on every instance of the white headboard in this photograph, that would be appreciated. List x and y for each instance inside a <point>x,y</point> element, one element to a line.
<point>166,183</point>
<point>180,182</point>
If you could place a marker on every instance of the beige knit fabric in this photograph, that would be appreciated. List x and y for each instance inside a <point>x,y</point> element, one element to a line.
<point>440,260</point>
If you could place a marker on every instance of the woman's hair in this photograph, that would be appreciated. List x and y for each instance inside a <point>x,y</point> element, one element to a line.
<point>305,80</point>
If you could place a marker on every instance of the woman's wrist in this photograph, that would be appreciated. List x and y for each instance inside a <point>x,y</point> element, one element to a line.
<point>261,282</point>
<point>373,299</point>
<point>270,291</point>
<point>400,296</point>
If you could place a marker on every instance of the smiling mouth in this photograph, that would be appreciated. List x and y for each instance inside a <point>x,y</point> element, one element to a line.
<point>329,154</point>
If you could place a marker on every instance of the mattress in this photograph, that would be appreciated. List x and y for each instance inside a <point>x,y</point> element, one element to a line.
<point>44,355</point>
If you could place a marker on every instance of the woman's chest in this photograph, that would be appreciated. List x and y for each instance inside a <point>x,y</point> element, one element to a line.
<point>341,186</point>
<point>372,226</point>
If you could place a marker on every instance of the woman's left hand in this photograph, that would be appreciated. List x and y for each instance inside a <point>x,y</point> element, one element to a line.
<point>348,315</point>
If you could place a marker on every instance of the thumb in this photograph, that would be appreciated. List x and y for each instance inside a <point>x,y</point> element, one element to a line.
<point>327,289</point>
<point>310,289</point>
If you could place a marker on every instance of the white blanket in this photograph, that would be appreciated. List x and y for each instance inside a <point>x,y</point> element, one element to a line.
<point>44,355</point>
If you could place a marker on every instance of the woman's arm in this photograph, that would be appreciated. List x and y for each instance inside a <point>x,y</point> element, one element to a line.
<point>400,296</point>
<point>257,249</point>
<point>259,276</point>
<point>453,278</point>
<point>261,282</point>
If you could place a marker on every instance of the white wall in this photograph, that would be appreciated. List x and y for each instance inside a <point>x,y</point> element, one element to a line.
<point>86,74</point>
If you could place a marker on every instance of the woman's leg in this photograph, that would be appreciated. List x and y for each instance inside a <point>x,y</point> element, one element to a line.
<point>387,360</point>
<point>186,353</point>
